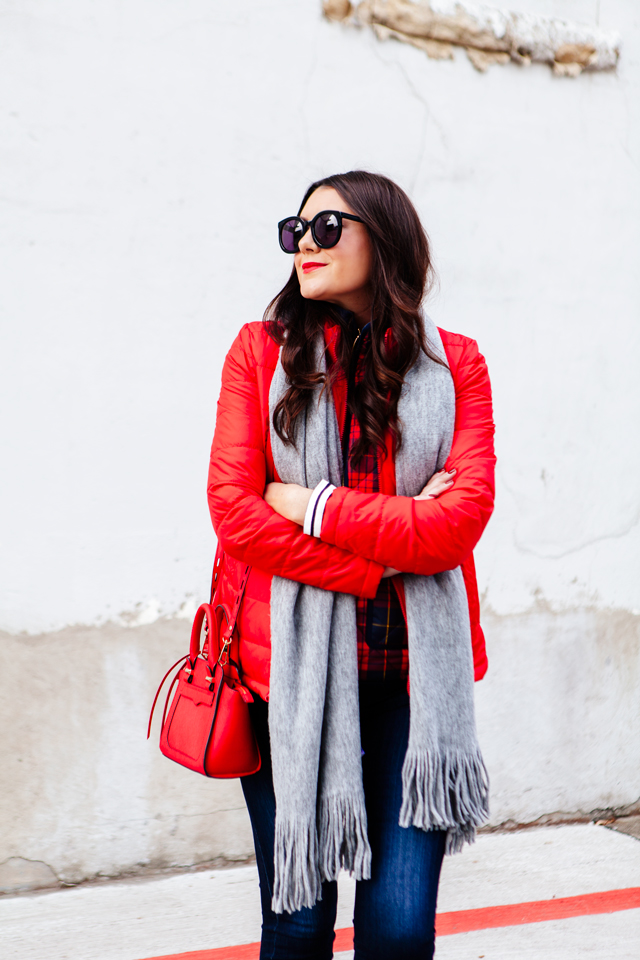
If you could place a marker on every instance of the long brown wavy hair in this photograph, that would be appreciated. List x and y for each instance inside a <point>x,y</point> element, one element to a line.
<point>401,274</point>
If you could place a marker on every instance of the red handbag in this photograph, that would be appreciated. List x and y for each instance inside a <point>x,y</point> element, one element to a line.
<point>207,728</point>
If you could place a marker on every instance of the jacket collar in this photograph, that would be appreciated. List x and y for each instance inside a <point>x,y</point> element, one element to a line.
<point>346,326</point>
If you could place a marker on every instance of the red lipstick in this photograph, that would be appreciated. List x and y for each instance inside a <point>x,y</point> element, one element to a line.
<point>311,265</point>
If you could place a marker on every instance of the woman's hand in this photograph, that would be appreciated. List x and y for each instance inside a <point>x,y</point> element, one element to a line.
<point>290,500</point>
<point>439,483</point>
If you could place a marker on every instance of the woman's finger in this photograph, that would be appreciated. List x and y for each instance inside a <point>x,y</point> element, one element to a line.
<point>273,495</point>
<point>435,488</point>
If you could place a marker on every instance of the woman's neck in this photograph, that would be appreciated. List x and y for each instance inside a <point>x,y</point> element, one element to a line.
<point>358,306</point>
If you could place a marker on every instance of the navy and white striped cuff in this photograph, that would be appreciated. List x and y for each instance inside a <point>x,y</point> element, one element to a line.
<point>315,510</point>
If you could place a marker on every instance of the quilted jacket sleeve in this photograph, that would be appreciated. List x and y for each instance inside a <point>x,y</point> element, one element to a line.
<point>429,536</point>
<point>247,528</point>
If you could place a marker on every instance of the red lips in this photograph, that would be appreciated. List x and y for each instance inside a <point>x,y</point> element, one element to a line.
<point>310,265</point>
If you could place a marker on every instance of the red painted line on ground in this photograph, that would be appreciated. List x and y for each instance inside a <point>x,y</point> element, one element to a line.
<point>247,951</point>
<point>463,921</point>
<point>537,911</point>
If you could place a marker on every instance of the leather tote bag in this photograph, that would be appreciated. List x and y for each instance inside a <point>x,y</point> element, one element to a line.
<point>206,726</point>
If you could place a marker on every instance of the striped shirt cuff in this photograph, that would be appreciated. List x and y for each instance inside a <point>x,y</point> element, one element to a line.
<point>315,510</point>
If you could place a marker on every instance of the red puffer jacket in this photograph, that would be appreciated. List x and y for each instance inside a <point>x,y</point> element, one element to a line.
<point>362,533</point>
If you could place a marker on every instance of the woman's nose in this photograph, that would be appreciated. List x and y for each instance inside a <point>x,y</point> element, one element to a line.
<point>306,243</point>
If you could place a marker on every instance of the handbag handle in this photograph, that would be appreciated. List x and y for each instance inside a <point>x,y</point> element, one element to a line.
<point>205,610</point>
<point>213,650</point>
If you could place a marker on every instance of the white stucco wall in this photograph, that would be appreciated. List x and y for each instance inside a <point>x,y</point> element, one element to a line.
<point>150,148</point>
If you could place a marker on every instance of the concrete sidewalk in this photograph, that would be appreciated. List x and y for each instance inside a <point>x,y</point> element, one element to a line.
<point>212,910</point>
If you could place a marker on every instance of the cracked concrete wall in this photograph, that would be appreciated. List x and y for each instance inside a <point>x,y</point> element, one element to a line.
<point>151,149</point>
<point>84,793</point>
<point>571,746</point>
<point>488,34</point>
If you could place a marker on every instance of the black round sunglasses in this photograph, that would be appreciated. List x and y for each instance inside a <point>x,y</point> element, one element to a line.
<point>326,229</point>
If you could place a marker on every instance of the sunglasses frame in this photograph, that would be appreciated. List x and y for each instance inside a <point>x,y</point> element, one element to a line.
<point>311,224</point>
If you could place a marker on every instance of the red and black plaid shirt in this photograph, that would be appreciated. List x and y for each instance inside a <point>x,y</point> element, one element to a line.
<point>382,632</point>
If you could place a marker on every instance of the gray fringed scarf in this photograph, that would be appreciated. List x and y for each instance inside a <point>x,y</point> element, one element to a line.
<point>321,822</point>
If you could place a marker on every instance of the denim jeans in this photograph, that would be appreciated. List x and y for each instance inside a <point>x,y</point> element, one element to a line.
<point>395,910</point>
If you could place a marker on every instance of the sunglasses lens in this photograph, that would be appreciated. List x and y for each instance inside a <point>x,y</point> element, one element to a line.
<point>290,234</point>
<point>327,229</point>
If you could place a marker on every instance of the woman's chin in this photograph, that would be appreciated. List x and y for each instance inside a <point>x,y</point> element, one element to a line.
<point>313,291</point>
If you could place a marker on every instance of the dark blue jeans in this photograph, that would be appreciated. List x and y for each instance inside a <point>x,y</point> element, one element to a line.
<point>395,910</point>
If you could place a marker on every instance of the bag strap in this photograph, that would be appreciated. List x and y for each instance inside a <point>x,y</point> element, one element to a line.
<point>229,648</point>
<point>217,564</point>
<point>235,609</point>
<point>228,632</point>
<point>155,699</point>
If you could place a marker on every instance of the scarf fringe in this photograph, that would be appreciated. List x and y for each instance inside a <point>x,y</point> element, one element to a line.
<point>449,792</point>
<point>343,838</point>
<point>297,880</point>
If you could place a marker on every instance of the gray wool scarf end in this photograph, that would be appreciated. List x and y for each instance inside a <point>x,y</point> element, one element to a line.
<point>445,792</point>
<point>314,727</point>
<point>308,853</point>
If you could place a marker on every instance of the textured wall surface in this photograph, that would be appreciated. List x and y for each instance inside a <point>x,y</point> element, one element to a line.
<point>150,149</point>
<point>490,36</point>
<point>84,791</point>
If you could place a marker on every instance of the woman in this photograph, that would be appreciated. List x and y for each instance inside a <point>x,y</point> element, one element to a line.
<point>352,467</point>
